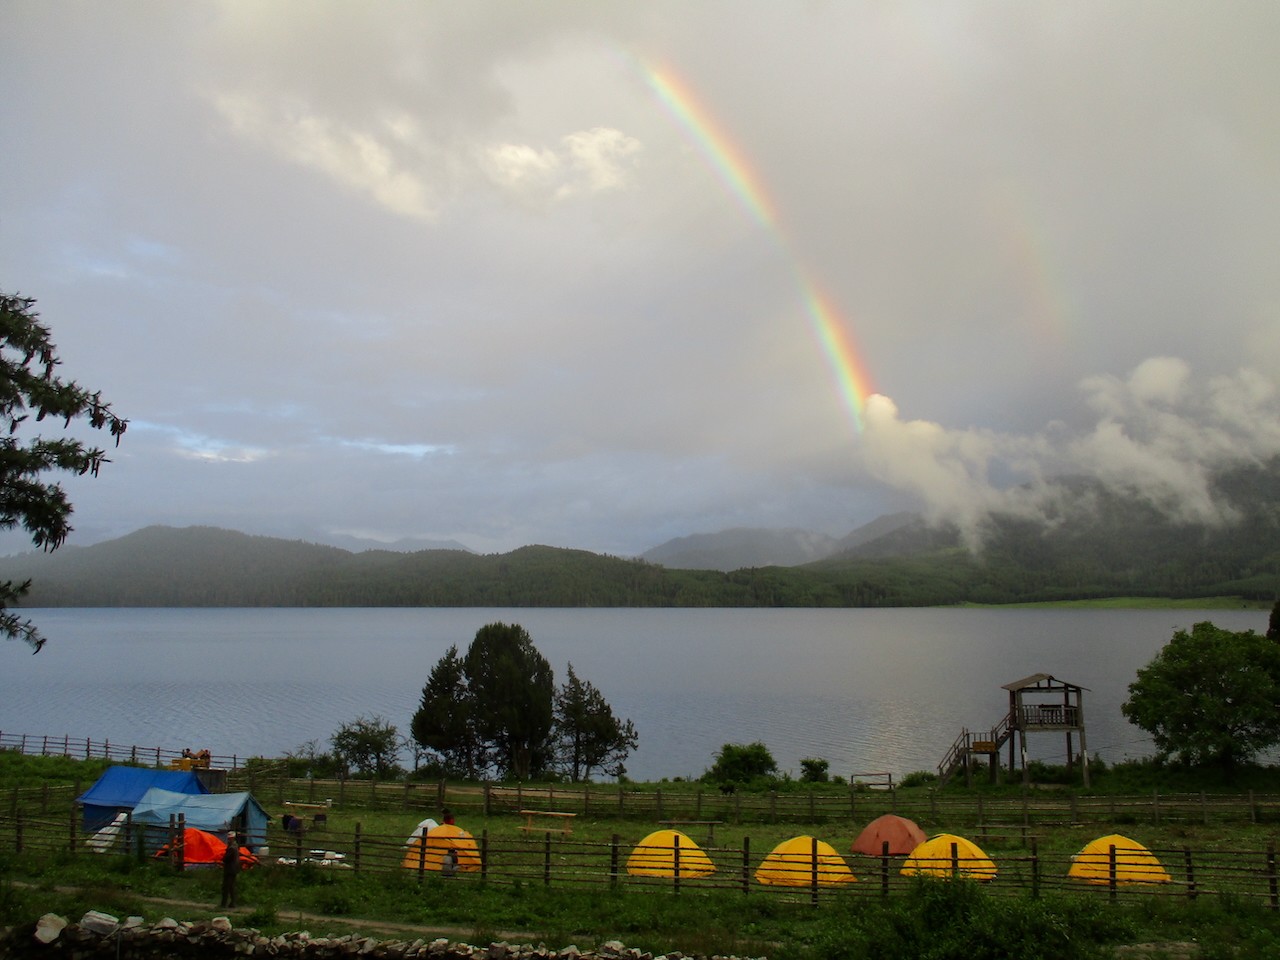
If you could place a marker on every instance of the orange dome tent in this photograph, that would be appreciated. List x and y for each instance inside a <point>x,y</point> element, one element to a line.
<point>902,835</point>
<point>429,849</point>
<point>1134,863</point>
<point>796,862</point>
<point>947,855</point>
<point>655,856</point>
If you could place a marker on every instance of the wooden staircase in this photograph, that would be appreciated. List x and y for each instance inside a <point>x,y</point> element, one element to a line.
<point>971,743</point>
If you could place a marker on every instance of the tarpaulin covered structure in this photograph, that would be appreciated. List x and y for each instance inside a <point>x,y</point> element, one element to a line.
<point>214,812</point>
<point>119,789</point>
<point>1126,860</point>
<point>948,855</point>
<point>430,850</point>
<point>901,834</point>
<point>669,853</point>
<point>803,861</point>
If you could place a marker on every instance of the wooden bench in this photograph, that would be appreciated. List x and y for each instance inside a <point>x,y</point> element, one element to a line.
<point>709,824</point>
<point>560,821</point>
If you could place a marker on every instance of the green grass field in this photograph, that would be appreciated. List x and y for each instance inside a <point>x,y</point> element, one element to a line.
<point>557,890</point>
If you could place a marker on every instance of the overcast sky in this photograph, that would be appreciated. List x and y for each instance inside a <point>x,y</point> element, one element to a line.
<point>514,273</point>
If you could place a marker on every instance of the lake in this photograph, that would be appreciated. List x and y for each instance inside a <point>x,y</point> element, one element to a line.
<point>867,690</point>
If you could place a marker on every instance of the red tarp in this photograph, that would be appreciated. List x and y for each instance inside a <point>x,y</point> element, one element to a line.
<point>201,848</point>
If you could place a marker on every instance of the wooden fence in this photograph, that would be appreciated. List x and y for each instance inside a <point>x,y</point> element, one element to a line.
<point>86,748</point>
<point>1017,812</point>
<point>1013,812</point>
<point>555,860</point>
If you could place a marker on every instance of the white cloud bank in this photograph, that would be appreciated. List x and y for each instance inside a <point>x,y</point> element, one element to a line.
<point>1158,434</point>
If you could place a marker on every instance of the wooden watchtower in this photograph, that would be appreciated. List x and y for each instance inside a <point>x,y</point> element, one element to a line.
<point>1042,703</point>
<point>1039,703</point>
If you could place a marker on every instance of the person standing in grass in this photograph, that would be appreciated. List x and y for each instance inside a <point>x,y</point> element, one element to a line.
<point>230,868</point>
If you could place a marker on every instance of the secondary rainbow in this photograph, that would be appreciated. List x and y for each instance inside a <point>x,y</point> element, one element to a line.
<point>739,179</point>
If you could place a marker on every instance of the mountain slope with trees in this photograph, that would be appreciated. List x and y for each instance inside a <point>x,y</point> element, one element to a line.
<point>1093,544</point>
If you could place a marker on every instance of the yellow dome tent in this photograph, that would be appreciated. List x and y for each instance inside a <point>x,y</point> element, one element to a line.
<point>1134,863</point>
<point>430,849</point>
<point>793,863</point>
<point>655,856</point>
<point>948,855</point>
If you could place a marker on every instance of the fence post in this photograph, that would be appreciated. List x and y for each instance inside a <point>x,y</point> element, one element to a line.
<point>884,868</point>
<point>1271,875</point>
<point>613,861</point>
<point>813,870</point>
<point>1035,869</point>
<point>675,856</point>
<point>1191,873</point>
<point>180,843</point>
<point>546,859</point>
<point>1111,873</point>
<point>422,855</point>
<point>746,865</point>
<point>955,860</point>
<point>484,854</point>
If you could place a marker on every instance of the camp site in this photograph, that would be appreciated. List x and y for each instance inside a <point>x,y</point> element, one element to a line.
<point>818,850</point>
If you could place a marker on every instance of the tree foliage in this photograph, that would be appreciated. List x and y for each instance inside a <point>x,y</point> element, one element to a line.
<point>1209,696</point>
<point>497,709</point>
<point>511,687</point>
<point>369,744</point>
<point>29,385</point>
<point>588,735</point>
<point>443,722</point>
<point>738,763</point>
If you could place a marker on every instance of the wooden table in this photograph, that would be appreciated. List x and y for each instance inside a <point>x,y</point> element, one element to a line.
<point>560,822</point>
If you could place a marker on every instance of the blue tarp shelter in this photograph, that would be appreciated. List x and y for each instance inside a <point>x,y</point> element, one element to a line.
<point>214,813</point>
<point>119,789</point>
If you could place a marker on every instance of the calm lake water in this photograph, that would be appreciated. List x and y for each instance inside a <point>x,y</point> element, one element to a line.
<point>868,690</point>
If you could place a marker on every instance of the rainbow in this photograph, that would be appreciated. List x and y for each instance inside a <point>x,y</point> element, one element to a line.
<point>739,179</point>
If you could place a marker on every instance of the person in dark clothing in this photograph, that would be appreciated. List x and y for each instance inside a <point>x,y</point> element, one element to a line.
<point>447,815</point>
<point>230,870</point>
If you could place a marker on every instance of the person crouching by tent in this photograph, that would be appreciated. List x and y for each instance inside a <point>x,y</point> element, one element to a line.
<point>230,870</point>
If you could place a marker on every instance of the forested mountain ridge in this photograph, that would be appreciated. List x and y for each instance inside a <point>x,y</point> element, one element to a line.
<point>1091,544</point>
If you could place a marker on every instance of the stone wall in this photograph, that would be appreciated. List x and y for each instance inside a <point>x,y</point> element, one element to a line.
<point>101,935</point>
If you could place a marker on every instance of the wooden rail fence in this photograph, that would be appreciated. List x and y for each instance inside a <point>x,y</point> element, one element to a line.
<point>555,860</point>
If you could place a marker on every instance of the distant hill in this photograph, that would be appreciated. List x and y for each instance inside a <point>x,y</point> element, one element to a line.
<point>742,547</point>
<point>1092,544</point>
<point>758,547</point>
<point>403,545</point>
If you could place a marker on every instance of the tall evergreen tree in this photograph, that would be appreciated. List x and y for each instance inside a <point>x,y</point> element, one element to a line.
<point>588,735</point>
<point>443,721</point>
<point>511,687</point>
